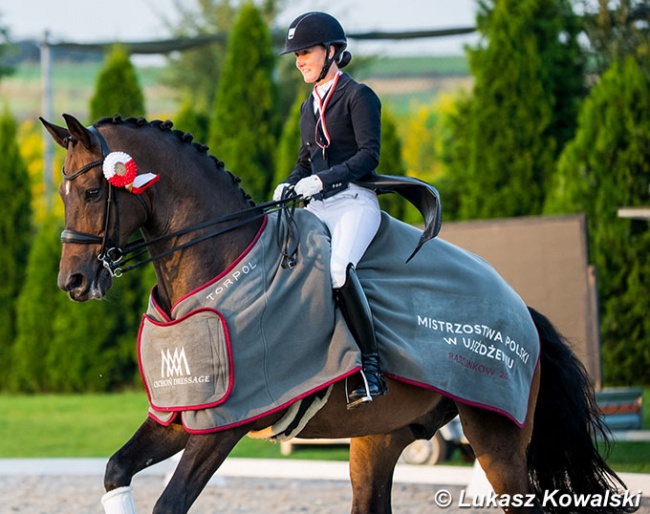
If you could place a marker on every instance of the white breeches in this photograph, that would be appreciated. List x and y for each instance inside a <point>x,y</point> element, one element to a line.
<point>352,217</point>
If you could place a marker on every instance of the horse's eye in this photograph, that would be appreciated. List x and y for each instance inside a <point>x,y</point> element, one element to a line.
<point>91,194</point>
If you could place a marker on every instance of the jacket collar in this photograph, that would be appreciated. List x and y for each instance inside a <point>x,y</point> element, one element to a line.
<point>344,80</point>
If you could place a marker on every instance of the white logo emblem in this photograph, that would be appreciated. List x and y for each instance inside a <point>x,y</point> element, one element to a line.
<point>172,365</point>
<point>291,33</point>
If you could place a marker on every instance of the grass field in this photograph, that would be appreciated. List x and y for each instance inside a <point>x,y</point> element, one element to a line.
<point>400,82</point>
<point>73,86</point>
<point>96,425</point>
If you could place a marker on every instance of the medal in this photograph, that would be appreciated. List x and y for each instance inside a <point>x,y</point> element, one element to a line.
<point>322,106</point>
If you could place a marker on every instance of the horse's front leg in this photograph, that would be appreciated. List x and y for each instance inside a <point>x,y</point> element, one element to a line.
<point>203,455</point>
<point>152,443</point>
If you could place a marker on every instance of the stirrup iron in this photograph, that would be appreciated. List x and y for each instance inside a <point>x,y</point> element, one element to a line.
<point>357,402</point>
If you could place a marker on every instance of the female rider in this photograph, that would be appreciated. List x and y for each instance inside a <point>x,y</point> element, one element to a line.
<point>340,139</point>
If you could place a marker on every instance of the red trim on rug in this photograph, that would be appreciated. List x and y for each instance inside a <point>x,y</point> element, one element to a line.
<point>156,306</point>
<point>160,421</point>
<point>471,403</point>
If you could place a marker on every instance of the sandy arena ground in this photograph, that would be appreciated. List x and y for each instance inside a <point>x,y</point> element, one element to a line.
<point>68,493</point>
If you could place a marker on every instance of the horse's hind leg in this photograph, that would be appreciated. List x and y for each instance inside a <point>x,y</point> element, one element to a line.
<point>501,447</point>
<point>372,463</point>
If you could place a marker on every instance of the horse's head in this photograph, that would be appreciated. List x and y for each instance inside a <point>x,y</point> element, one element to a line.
<point>99,218</point>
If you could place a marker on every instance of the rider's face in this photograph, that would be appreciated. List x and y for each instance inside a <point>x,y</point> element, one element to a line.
<point>310,62</point>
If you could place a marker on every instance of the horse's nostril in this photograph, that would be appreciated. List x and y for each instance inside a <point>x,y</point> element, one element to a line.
<point>74,282</point>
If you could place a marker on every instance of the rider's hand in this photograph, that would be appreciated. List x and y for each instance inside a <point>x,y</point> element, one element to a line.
<point>309,186</point>
<point>279,190</point>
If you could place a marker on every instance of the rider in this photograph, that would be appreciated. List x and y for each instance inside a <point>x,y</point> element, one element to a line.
<point>340,140</point>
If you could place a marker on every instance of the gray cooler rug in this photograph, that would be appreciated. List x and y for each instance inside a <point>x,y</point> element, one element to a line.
<point>259,337</point>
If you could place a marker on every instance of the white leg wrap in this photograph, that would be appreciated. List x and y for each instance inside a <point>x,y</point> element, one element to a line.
<point>119,501</point>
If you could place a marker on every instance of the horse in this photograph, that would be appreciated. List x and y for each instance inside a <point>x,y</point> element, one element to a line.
<point>554,449</point>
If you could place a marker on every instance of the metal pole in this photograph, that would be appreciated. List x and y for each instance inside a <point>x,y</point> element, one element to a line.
<point>46,78</point>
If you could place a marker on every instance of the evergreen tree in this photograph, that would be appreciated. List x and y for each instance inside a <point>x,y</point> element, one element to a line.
<point>35,306</point>
<point>244,121</point>
<point>117,90</point>
<point>289,145</point>
<point>607,166</point>
<point>15,233</point>
<point>82,355</point>
<point>617,30</point>
<point>195,73</point>
<point>5,49</point>
<point>454,154</point>
<point>191,120</point>
<point>424,148</point>
<point>527,85</point>
<point>391,163</point>
<point>563,71</point>
<point>290,84</point>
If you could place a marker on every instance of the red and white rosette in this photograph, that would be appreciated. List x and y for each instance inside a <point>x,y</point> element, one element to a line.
<point>121,171</point>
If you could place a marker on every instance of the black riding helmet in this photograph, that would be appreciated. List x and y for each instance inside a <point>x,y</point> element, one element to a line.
<point>318,28</point>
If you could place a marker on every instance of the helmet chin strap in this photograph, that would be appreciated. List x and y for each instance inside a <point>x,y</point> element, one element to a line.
<point>328,63</point>
<point>326,68</point>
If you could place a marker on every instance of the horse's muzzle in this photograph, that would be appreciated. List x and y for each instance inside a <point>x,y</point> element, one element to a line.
<point>81,288</point>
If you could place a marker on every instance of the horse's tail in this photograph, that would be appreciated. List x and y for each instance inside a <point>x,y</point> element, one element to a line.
<point>563,455</point>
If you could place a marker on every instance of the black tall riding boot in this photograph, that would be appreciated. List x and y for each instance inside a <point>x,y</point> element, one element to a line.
<point>354,305</point>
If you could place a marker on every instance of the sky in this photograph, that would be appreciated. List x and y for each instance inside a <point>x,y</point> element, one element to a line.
<point>142,20</point>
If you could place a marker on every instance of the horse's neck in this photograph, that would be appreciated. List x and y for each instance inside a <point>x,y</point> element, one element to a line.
<point>191,268</point>
<point>185,270</point>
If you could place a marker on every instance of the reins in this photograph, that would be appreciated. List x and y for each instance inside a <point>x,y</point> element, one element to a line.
<point>257,212</point>
<point>112,256</point>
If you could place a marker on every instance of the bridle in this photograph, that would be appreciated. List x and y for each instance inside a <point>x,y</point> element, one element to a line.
<point>108,254</point>
<point>113,257</point>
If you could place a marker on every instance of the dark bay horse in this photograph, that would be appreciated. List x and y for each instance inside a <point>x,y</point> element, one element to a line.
<point>554,450</point>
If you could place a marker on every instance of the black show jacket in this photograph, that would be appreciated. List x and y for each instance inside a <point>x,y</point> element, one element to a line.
<point>353,120</point>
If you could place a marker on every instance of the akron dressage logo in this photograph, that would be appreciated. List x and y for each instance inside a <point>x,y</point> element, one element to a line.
<point>173,365</point>
<point>175,370</point>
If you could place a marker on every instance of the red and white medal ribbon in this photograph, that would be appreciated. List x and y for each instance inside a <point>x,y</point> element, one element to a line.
<point>322,106</point>
<point>121,171</point>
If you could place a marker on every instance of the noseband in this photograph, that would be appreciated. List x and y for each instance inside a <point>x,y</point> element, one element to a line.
<point>111,255</point>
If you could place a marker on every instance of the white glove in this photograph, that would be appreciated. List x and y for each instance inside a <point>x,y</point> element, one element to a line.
<point>309,186</point>
<point>277,194</point>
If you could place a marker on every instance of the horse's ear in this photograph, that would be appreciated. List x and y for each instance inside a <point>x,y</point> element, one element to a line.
<point>78,131</point>
<point>59,134</point>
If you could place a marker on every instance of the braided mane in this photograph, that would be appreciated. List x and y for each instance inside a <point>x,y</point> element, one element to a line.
<point>185,137</point>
